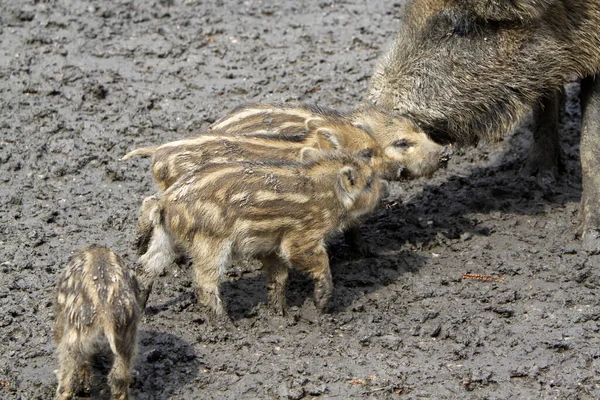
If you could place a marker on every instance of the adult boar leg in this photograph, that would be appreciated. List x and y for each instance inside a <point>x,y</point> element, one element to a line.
<point>589,213</point>
<point>545,159</point>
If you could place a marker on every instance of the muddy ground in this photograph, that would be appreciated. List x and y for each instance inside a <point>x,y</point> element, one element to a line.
<point>82,83</point>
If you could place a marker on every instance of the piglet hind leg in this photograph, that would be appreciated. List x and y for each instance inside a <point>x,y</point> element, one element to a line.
<point>160,254</point>
<point>589,214</point>
<point>210,258</point>
<point>74,373</point>
<point>67,379</point>
<point>276,273</point>
<point>123,347</point>
<point>314,260</point>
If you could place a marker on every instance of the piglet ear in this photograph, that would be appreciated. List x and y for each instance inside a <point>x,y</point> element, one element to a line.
<point>314,123</point>
<point>347,178</point>
<point>309,154</point>
<point>327,139</point>
<point>362,126</point>
<point>365,123</point>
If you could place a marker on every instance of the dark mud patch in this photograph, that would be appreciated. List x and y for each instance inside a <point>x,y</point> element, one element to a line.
<point>84,83</point>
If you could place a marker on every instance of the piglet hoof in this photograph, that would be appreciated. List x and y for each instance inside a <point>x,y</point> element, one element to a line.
<point>143,296</point>
<point>85,380</point>
<point>222,322</point>
<point>277,309</point>
<point>121,396</point>
<point>211,300</point>
<point>218,318</point>
<point>120,389</point>
<point>63,393</point>
<point>323,296</point>
<point>277,302</point>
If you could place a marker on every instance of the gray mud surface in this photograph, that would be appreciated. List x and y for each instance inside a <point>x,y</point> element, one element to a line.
<point>82,83</point>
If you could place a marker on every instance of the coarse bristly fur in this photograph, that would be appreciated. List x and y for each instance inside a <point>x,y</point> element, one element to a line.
<point>97,311</point>
<point>280,212</point>
<point>470,69</point>
<point>172,160</point>
<point>466,70</point>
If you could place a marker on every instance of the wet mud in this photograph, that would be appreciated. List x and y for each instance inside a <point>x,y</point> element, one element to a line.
<point>83,83</point>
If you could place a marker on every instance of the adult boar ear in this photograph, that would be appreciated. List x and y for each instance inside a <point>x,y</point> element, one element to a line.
<point>327,139</point>
<point>514,10</point>
<point>462,22</point>
<point>347,179</point>
<point>364,126</point>
<point>309,154</point>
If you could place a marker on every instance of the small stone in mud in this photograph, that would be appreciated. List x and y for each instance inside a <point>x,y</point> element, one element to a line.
<point>285,391</point>
<point>25,16</point>
<point>502,311</point>
<point>436,331</point>
<point>519,372</point>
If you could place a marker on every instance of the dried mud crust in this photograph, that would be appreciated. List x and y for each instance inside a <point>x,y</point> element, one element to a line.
<point>84,83</point>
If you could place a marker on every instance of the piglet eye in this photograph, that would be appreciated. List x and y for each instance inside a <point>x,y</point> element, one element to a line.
<point>366,154</point>
<point>402,143</point>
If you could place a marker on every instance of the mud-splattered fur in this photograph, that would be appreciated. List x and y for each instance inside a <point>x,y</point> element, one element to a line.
<point>280,212</point>
<point>96,311</point>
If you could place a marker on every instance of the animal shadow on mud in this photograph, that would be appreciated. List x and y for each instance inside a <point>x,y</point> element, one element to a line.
<point>163,360</point>
<point>164,364</point>
<point>244,290</point>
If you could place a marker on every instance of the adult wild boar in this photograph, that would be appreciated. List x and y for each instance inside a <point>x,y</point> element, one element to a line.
<point>466,70</point>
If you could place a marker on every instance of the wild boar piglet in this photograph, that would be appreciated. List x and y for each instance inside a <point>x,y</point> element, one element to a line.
<point>96,312</point>
<point>281,213</point>
<point>265,132</point>
<point>402,150</point>
<point>262,132</point>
